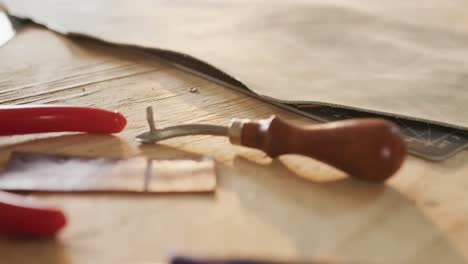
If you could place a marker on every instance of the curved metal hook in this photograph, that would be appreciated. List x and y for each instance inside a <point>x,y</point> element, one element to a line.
<point>177,131</point>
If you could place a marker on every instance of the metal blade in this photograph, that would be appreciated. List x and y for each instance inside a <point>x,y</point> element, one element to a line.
<point>182,130</point>
<point>154,134</point>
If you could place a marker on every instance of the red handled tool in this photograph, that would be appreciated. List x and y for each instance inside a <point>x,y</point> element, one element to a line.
<point>24,216</point>
<point>17,120</point>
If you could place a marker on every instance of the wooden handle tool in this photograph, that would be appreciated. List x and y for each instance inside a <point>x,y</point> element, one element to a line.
<point>368,148</point>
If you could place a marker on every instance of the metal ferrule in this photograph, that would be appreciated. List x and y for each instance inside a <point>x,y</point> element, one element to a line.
<point>235,130</point>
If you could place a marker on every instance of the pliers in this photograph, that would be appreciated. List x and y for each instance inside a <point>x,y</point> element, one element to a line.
<point>18,120</point>
<point>24,216</point>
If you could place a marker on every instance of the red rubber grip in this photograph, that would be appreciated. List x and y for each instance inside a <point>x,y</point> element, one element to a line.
<point>17,120</point>
<point>27,217</point>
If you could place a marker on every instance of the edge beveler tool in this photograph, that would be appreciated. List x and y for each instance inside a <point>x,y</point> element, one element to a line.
<point>366,148</point>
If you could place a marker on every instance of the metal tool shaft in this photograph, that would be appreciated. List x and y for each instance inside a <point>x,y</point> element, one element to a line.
<point>177,131</point>
<point>184,130</point>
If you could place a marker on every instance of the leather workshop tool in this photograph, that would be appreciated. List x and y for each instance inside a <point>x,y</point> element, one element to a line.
<point>193,260</point>
<point>20,215</point>
<point>183,259</point>
<point>370,149</point>
<point>25,216</point>
<point>29,119</point>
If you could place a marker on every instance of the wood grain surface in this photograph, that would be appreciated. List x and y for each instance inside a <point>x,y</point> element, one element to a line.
<point>292,207</point>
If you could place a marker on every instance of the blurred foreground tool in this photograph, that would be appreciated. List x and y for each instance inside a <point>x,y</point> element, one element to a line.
<point>24,216</point>
<point>369,148</point>
<point>29,119</point>
<point>190,260</point>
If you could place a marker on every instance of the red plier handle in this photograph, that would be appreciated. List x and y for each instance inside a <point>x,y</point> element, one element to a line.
<point>28,119</point>
<point>20,215</point>
<point>24,216</point>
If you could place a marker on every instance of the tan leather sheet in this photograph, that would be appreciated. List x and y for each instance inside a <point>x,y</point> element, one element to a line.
<point>404,58</point>
<point>29,171</point>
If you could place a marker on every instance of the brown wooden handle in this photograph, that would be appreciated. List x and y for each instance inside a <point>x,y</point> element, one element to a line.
<point>369,148</point>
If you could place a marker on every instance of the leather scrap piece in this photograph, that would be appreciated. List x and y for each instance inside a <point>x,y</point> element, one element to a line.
<point>27,171</point>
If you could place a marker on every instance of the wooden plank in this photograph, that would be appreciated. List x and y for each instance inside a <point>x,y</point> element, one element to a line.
<point>292,207</point>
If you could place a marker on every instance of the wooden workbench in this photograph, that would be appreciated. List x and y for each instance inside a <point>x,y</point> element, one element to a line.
<point>292,208</point>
